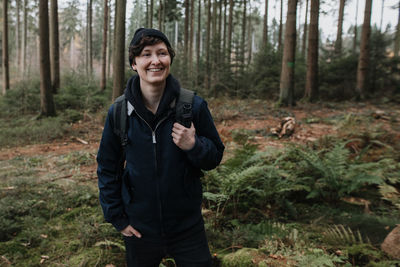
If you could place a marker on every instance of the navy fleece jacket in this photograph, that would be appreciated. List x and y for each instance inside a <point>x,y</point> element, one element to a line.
<point>160,192</point>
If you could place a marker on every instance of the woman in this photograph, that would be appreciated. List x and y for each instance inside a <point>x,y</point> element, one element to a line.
<point>157,203</point>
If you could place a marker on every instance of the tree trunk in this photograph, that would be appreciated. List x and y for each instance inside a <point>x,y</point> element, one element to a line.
<point>303,47</point>
<point>90,38</point>
<point>383,7</point>
<point>186,35</point>
<point>363,60</point>
<point>208,37</point>
<point>286,96</point>
<point>6,70</point>
<point>191,36</point>
<point>119,50</point>
<point>198,41</point>
<point>18,34</point>
<point>244,20</point>
<point>355,30</point>
<point>24,36</point>
<point>224,35</point>
<point>103,79</point>
<point>338,43</point>
<point>280,28</point>
<point>230,29</point>
<point>110,43</point>
<point>397,40</point>
<point>311,93</point>
<point>249,37</point>
<point>46,97</point>
<point>265,26</point>
<point>159,15</point>
<point>151,13</point>
<point>54,47</point>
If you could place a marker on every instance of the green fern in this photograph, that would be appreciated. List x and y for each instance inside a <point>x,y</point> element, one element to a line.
<point>340,235</point>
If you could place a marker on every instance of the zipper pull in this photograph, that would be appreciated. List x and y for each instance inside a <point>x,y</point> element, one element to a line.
<point>154,138</point>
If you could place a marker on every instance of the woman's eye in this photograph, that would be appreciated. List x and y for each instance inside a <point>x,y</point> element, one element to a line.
<point>146,54</point>
<point>163,53</point>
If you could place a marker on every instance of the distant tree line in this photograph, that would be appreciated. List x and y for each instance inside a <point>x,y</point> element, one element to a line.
<point>224,46</point>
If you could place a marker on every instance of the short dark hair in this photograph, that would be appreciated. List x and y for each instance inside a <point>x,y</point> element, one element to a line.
<point>135,50</point>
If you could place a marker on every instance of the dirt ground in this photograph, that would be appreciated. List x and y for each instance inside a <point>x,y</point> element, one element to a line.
<point>312,122</point>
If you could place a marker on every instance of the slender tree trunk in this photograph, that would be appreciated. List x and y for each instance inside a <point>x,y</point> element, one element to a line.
<point>46,97</point>
<point>103,79</point>
<point>363,60</point>
<point>355,29</point>
<point>244,21</point>
<point>18,33</point>
<point>224,29</point>
<point>280,28</point>
<point>230,29</point>
<point>397,40</point>
<point>338,43</point>
<point>90,36</point>
<point>265,25</point>
<point>24,36</point>
<point>286,97</point>
<point>110,43</point>
<point>151,13</point>
<point>311,93</point>
<point>6,70</point>
<point>54,47</point>
<point>191,37</point>
<point>208,37</point>
<point>383,7</point>
<point>198,41</point>
<point>119,50</point>
<point>186,34</point>
<point>303,47</point>
<point>147,14</point>
<point>163,17</point>
<point>159,15</point>
<point>219,35</point>
<point>249,36</point>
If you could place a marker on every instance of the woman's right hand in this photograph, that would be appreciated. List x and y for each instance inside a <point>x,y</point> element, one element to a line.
<point>130,231</point>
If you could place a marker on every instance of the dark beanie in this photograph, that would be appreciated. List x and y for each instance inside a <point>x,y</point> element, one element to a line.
<point>142,32</point>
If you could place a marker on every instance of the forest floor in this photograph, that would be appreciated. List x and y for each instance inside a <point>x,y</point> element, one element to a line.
<point>69,162</point>
<point>255,118</point>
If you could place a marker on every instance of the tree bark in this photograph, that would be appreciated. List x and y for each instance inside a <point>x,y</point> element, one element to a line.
<point>397,40</point>
<point>303,47</point>
<point>6,70</point>
<point>224,35</point>
<point>47,107</point>
<point>150,14</point>
<point>198,41</point>
<point>119,50</point>
<point>24,36</point>
<point>249,36</point>
<point>54,47</point>
<point>355,30</point>
<point>18,33</point>
<point>338,43</point>
<point>286,96</point>
<point>191,37</point>
<point>311,92</point>
<point>110,43</point>
<point>186,33</point>
<point>265,25</point>
<point>280,28</point>
<point>363,60</point>
<point>208,37</point>
<point>90,36</point>
<point>244,21</point>
<point>230,29</point>
<point>103,78</point>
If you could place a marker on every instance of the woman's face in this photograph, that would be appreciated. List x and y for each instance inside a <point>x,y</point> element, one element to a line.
<point>153,64</point>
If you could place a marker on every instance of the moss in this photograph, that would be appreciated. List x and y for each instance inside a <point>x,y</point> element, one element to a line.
<point>362,254</point>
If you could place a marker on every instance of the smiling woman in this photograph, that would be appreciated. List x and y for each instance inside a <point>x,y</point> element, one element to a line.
<point>156,203</point>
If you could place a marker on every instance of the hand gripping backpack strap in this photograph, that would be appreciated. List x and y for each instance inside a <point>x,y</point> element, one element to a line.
<point>120,115</point>
<point>184,107</point>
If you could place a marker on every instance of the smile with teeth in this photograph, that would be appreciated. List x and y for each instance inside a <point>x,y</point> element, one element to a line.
<point>154,70</point>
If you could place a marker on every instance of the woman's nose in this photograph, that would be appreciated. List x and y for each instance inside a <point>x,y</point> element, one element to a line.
<point>155,59</point>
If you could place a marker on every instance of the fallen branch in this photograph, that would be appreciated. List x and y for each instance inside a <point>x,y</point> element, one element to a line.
<point>80,140</point>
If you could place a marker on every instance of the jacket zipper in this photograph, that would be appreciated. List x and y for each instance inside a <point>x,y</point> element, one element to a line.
<point>153,135</point>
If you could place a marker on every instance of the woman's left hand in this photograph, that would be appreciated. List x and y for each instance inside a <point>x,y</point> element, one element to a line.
<point>184,137</point>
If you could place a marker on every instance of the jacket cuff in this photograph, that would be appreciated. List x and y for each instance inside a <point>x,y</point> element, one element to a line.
<point>195,149</point>
<point>120,223</point>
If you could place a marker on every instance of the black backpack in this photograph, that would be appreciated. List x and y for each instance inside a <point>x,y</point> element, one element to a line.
<point>183,115</point>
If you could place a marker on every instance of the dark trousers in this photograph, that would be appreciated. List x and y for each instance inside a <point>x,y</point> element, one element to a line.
<point>188,250</point>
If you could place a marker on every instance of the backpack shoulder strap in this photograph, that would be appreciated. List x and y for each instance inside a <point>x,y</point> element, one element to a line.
<point>120,116</point>
<point>184,107</point>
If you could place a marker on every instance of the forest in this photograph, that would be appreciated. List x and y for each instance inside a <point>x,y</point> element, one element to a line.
<point>309,116</point>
